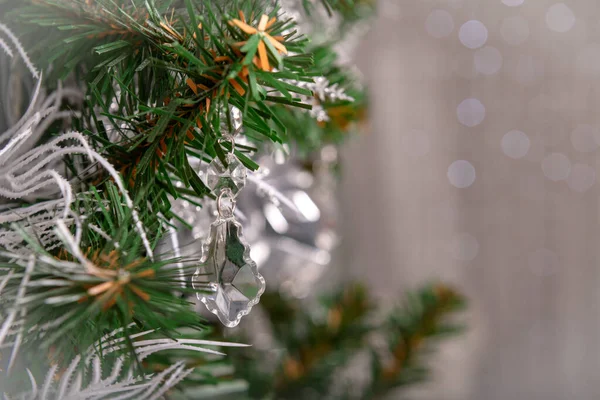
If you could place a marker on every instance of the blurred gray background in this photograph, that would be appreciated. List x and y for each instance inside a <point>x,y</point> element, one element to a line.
<point>479,169</point>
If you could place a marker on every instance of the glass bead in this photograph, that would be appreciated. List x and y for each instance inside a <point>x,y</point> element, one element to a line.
<point>232,176</point>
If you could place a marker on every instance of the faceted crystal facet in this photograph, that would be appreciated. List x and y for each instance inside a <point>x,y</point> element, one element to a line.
<point>227,279</point>
<point>234,123</point>
<point>232,176</point>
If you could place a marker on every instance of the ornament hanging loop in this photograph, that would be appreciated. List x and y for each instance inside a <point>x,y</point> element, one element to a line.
<point>223,210</point>
<point>228,138</point>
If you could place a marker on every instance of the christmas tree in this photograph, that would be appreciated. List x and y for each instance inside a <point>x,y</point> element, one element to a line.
<point>127,127</point>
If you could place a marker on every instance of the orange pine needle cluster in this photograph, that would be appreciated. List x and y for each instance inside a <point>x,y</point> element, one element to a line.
<point>116,277</point>
<point>264,25</point>
<point>261,61</point>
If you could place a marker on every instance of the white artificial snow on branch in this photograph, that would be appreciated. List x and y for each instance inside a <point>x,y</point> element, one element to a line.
<point>87,383</point>
<point>20,49</point>
<point>30,171</point>
<point>323,91</point>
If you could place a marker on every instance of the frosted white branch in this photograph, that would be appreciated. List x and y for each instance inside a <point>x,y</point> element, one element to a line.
<point>20,49</point>
<point>29,173</point>
<point>177,252</point>
<point>20,293</point>
<point>26,116</point>
<point>120,384</point>
<point>6,48</point>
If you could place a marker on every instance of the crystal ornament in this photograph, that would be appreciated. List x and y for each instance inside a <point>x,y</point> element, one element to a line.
<point>232,176</point>
<point>227,279</point>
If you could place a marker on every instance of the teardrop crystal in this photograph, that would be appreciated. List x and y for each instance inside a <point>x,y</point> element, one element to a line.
<point>227,279</point>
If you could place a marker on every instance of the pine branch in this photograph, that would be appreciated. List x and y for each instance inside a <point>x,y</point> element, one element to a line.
<point>99,373</point>
<point>159,78</point>
<point>108,283</point>
<point>350,10</point>
<point>318,345</point>
<point>90,205</point>
<point>409,331</point>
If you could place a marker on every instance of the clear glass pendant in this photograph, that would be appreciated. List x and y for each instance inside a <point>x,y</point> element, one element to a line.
<point>227,279</point>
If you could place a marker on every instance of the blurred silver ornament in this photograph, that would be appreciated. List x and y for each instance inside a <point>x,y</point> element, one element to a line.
<point>292,221</point>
